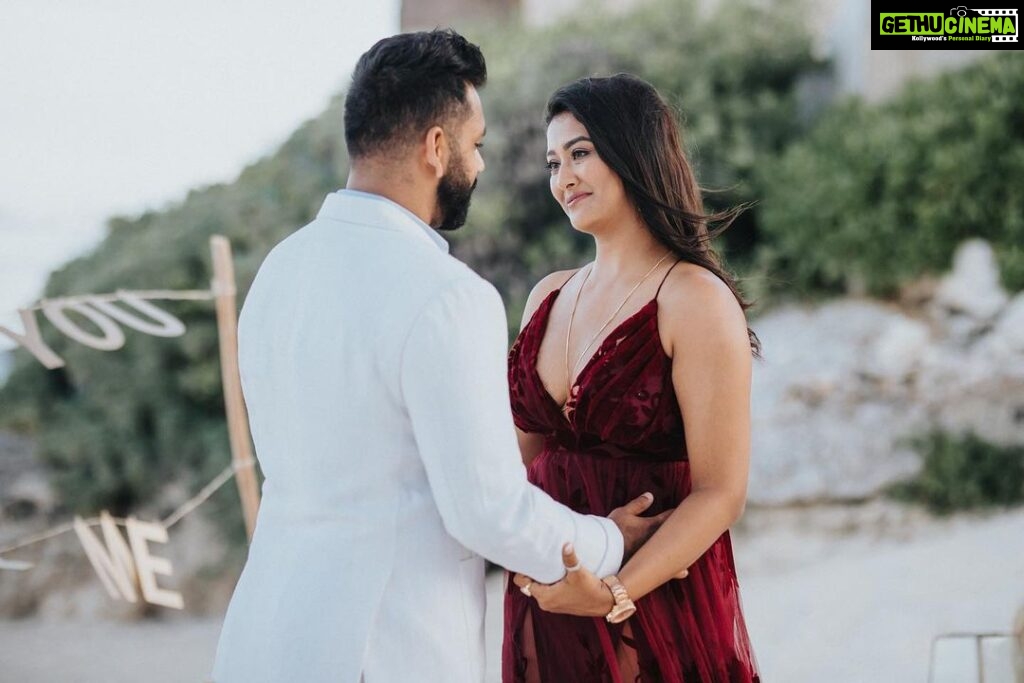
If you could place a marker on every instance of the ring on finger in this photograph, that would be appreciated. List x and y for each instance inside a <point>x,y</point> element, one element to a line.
<point>525,590</point>
<point>575,568</point>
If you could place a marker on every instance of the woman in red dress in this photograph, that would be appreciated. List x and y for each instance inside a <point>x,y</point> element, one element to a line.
<point>632,375</point>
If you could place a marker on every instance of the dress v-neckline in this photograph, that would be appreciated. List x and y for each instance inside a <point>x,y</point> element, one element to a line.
<point>547,305</point>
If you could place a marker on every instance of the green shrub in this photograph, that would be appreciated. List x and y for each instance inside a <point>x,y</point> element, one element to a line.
<point>963,473</point>
<point>879,195</point>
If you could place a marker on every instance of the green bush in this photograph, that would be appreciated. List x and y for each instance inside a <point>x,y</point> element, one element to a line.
<point>879,195</point>
<point>963,473</point>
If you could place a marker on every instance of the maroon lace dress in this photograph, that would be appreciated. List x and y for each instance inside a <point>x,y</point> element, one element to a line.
<point>621,435</point>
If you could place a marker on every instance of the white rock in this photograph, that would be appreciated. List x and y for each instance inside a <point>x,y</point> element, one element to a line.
<point>897,351</point>
<point>973,288</point>
<point>32,489</point>
<point>1010,327</point>
<point>823,428</point>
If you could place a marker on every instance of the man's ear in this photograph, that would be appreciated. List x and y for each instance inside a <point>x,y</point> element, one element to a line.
<point>436,150</point>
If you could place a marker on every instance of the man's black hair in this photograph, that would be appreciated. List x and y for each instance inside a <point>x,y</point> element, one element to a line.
<point>406,84</point>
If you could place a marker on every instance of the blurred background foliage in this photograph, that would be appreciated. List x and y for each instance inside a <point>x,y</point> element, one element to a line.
<point>963,472</point>
<point>849,197</point>
<point>877,196</point>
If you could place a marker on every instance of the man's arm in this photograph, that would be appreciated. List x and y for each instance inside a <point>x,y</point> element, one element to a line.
<point>454,381</point>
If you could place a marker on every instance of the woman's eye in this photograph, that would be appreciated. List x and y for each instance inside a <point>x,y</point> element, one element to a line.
<point>552,166</point>
<point>579,153</point>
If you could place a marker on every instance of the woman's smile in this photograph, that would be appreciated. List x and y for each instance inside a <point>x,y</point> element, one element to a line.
<point>576,198</point>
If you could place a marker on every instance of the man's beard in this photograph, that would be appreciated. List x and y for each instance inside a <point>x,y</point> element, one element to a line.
<point>454,192</point>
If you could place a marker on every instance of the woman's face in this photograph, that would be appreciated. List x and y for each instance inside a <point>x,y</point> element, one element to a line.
<point>586,188</point>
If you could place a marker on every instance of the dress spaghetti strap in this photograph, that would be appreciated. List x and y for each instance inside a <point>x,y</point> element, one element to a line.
<point>662,279</point>
<point>568,279</point>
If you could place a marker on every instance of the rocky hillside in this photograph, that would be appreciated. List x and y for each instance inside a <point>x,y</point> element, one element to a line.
<point>845,385</point>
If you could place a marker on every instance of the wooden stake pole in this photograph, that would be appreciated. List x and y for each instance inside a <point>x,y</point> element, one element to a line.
<point>238,421</point>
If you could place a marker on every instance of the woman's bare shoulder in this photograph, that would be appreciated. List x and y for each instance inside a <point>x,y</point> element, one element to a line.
<point>542,290</point>
<point>697,307</point>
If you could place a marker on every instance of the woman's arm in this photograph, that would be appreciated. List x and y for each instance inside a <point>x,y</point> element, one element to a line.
<point>530,444</point>
<point>711,368</point>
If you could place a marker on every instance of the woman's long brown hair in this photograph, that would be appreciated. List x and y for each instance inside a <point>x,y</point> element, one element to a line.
<point>635,133</point>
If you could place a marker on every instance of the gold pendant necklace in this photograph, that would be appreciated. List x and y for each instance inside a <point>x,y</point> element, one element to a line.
<point>570,373</point>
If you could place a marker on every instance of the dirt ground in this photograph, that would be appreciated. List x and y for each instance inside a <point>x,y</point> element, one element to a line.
<point>830,593</point>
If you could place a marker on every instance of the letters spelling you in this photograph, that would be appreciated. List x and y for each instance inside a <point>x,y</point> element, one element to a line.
<point>103,314</point>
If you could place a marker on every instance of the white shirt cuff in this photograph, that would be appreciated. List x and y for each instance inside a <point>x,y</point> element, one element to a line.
<point>611,561</point>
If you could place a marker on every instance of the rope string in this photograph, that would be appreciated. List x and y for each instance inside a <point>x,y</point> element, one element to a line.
<point>184,509</point>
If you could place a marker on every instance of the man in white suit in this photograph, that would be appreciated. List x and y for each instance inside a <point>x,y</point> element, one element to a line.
<point>373,366</point>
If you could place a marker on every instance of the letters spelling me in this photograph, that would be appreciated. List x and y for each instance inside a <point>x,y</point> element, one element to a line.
<point>114,565</point>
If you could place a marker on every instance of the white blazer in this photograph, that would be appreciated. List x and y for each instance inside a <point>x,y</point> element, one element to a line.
<point>373,367</point>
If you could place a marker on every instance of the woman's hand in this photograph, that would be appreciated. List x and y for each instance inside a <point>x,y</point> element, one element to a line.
<point>579,593</point>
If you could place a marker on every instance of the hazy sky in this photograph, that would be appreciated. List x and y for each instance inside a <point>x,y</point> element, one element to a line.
<point>115,106</point>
